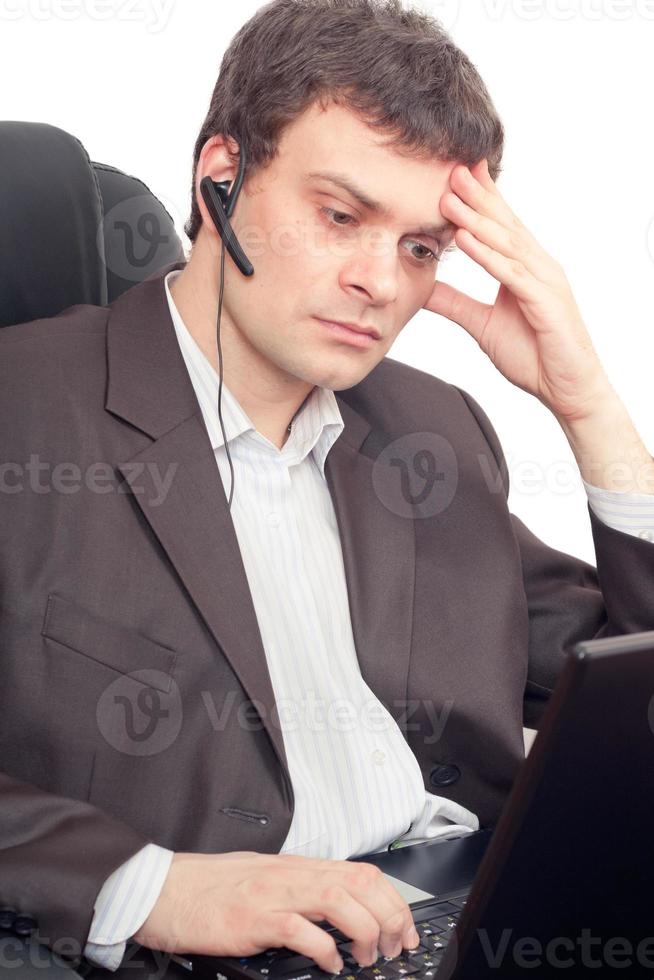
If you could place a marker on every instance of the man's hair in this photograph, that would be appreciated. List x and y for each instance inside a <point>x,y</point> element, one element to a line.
<point>397,68</point>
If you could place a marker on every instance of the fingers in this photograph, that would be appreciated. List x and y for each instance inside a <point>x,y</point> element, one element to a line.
<point>475,186</point>
<point>460,308</point>
<point>362,903</point>
<point>293,930</point>
<point>243,903</point>
<point>355,897</point>
<point>491,233</point>
<point>339,907</point>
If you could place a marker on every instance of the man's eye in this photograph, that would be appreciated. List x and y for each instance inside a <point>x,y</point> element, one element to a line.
<point>428,255</point>
<point>332,213</point>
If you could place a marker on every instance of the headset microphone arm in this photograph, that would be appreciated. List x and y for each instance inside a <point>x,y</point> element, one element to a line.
<point>215,202</point>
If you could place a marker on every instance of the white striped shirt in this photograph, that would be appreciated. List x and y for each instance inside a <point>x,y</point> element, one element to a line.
<point>356,782</point>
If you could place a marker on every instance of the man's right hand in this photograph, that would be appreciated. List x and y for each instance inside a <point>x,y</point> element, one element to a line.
<point>243,902</point>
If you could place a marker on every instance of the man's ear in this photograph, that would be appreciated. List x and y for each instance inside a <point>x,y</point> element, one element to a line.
<point>219,160</point>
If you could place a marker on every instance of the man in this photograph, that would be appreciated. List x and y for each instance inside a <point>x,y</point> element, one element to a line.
<point>152,636</point>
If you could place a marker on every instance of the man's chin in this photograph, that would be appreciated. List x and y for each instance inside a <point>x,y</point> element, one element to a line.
<point>338,378</point>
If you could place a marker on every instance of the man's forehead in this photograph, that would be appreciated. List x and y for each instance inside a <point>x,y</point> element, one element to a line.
<point>335,146</point>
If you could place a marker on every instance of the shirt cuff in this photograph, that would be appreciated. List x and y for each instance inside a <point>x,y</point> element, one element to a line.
<point>632,513</point>
<point>124,902</point>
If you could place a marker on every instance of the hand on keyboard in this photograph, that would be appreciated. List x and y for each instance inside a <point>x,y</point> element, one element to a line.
<point>435,923</point>
<point>243,902</point>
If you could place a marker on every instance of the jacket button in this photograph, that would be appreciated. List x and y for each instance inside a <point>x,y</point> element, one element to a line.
<point>24,925</point>
<point>444,775</point>
<point>7,917</point>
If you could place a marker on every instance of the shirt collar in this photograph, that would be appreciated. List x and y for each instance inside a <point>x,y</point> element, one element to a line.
<point>315,427</point>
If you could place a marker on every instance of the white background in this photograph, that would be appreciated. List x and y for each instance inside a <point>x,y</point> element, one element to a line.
<point>572,81</point>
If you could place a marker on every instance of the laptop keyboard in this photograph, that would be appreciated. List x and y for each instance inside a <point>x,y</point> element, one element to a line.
<point>434,924</point>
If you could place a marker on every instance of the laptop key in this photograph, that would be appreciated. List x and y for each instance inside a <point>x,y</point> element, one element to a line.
<point>376,973</point>
<point>311,973</point>
<point>403,966</point>
<point>261,964</point>
<point>351,964</point>
<point>443,908</point>
<point>445,922</point>
<point>345,949</point>
<point>291,964</point>
<point>416,950</point>
<point>423,961</point>
<point>428,912</point>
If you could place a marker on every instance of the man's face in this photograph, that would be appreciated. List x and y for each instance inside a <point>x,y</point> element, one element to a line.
<point>352,264</point>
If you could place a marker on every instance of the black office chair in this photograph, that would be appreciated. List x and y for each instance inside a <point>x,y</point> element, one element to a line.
<point>72,230</point>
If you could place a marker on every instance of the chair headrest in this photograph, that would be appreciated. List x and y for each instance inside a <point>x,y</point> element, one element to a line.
<point>72,230</point>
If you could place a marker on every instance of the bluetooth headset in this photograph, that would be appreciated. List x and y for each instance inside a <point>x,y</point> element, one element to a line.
<point>220,202</point>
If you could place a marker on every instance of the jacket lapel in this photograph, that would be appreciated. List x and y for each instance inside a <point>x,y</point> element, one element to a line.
<point>149,388</point>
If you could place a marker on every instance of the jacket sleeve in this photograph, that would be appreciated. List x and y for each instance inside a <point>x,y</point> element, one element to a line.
<point>55,854</point>
<point>568,599</point>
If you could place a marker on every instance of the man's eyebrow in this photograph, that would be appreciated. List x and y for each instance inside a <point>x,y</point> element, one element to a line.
<point>341,180</point>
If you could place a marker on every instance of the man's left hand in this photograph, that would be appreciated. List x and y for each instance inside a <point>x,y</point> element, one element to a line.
<point>533,333</point>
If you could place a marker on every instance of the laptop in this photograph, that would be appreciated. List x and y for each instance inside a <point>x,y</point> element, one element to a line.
<point>564,884</point>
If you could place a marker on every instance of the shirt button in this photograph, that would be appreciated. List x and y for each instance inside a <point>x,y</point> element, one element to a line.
<point>273,519</point>
<point>645,534</point>
<point>378,756</point>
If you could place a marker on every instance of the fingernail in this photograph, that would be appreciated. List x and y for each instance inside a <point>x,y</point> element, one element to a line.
<point>337,964</point>
<point>414,939</point>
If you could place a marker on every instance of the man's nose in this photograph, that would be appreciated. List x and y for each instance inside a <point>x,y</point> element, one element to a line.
<point>376,275</point>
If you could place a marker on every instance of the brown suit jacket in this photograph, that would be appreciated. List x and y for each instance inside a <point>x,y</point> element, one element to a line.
<point>461,618</point>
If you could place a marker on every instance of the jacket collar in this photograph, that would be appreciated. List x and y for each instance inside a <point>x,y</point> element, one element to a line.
<point>148,385</point>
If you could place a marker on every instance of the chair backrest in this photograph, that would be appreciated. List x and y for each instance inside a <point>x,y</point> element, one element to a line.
<point>71,230</point>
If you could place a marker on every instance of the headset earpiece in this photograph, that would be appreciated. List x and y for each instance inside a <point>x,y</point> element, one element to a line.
<point>220,203</point>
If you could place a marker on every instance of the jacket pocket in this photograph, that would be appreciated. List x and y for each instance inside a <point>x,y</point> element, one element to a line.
<point>123,649</point>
